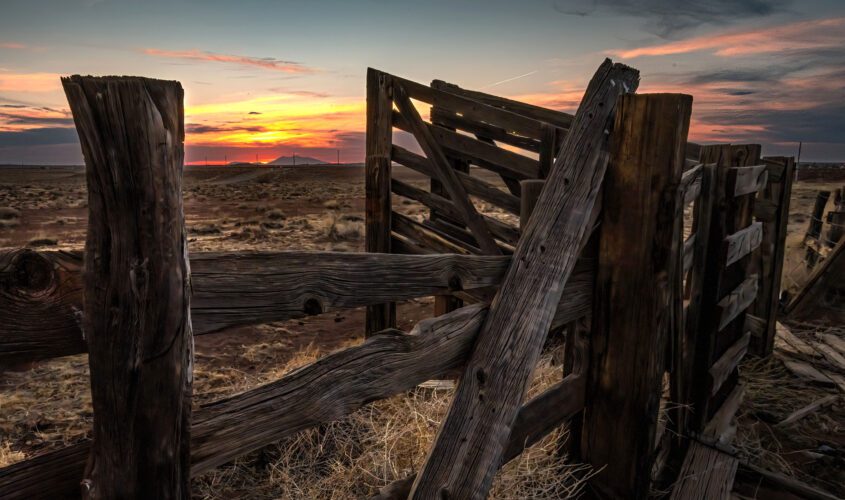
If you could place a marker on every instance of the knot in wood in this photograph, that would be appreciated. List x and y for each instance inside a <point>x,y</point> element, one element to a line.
<point>32,273</point>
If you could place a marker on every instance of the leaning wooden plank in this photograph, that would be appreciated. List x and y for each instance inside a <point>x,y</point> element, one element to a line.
<point>471,440</point>
<point>831,355</point>
<point>743,242</point>
<point>476,151</point>
<point>377,166</point>
<point>746,180</point>
<point>834,341</point>
<point>535,419</point>
<point>806,410</point>
<point>136,286</point>
<point>827,272</point>
<point>784,333</point>
<point>807,372</point>
<point>474,185</point>
<point>426,237</point>
<point>727,363</point>
<point>641,229</point>
<point>706,473</point>
<point>445,173</point>
<point>720,424</point>
<point>473,109</point>
<point>558,118</point>
<point>737,301</point>
<point>385,364</point>
<point>497,228</point>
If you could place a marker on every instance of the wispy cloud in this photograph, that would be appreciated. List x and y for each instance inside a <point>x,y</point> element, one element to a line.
<point>815,34</point>
<point>29,82</point>
<point>12,45</point>
<point>511,79</point>
<point>268,63</point>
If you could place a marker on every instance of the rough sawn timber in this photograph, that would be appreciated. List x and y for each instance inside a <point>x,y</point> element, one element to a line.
<point>472,439</point>
<point>136,286</point>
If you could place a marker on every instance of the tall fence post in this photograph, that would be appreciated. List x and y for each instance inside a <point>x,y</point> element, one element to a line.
<point>377,185</point>
<point>136,286</point>
<point>814,231</point>
<point>638,262</point>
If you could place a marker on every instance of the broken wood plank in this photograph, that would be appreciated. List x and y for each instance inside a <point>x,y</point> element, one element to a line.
<point>799,345</point>
<point>720,425</point>
<point>825,274</point>
<point>746,180</point>
<point>472,438</point>
<point>834,341</point>
<point>727,363</point>
<point>706,473</point>
<point>807,371</point>
<point>806,410</point>
<point>829,353</point>
<point>743,242</point>
<point>445,173</point>
<point>378,207</point>
<point>136,286</point>
<point>737,301</point>
<point>474,185</point>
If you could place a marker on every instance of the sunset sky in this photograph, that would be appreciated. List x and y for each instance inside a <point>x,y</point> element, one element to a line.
<point>269,78</point>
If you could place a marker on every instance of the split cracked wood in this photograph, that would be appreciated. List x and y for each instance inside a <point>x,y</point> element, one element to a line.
<point>472,439</point>
<point>136,284</point>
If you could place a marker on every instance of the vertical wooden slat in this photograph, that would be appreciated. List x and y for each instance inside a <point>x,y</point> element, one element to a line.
<point>547,149</point>
<point>639,249</point>
<point>136,286</point>
<point>377,185</point>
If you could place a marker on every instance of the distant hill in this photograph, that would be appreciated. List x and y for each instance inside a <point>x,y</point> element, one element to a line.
<point>300,160</point>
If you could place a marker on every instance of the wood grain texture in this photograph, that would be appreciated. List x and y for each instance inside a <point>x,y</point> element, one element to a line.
<point>472,439</point>
<point>231,289</point>
<point>706,473</point>
<point>473,185</point>
<point>747,180</point>
<point>40,305</point>
<point>727,363</point>
<point>377,165</point>
<point>483,129</point>
<point>639,249</point>
<point>736,302</point>
<point>136,285</point>
<point>743,242</point>
<point>444,172</point>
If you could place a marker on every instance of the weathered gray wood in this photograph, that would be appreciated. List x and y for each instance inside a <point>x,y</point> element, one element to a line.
<point>483,129</point>
<point>559,118</point>
<point>737,301</point>
<point>719,426</point>
<point>641,230</point>
<point>473,436</point>
<point>806,410</point>
<point>727,363</point>
<point>476,151</point>
<point>427,237</point>
<point>706,473</point>
<point>445,173</point>
<point>765,211</point>
<point>473,185</point>
<point>743,242</point>
<point>377,207</point>
<point>746,180</point>
<point>136,286</point>
<point>497,228</point>
<point>231,289</point>
<point>40,305</point>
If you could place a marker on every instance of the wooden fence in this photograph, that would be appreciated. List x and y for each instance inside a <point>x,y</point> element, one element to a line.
<point>608,222</point>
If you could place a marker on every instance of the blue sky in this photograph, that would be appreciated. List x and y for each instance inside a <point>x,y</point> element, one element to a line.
<point>271,78</point>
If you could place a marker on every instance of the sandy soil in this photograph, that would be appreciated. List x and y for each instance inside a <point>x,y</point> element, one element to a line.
<point>318,208</point>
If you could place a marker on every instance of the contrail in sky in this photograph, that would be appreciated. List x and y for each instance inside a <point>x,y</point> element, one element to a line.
<point>511,79</point>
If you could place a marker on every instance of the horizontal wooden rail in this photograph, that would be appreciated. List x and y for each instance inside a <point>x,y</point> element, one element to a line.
<point>473,185</point>
<point>727,363</point>
<point>743,242</point>
<point>746,180</point>
<point>738,300</point>
<point>477,152</point>
<point>473,109</point>
<point>428,238</point>
<point>481,129</point>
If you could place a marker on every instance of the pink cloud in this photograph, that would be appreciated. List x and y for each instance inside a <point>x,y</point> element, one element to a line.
<point>260,62</point>
<point>12,45</point>
<point>813,34</point>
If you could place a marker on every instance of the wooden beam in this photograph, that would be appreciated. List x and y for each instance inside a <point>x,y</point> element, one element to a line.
<point>475,151</point>
<point>737,301</point>
<point>822,277</point>
<point>472,438</point>
<point>719,426</point>
<point>727,363</point>
<point>706,473</point>
<point>746,180</point>
<point>445,173</point>
<point>743,242</point>
<point>478,128</point>
<point>474,186</point>
<point>530,189</point>
<point>136,286</point>
<point>232,289</point>
<point>640,230</point>
<point>377,207</point>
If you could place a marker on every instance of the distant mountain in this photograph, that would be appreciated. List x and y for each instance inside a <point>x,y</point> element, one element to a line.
<point>300,160</point>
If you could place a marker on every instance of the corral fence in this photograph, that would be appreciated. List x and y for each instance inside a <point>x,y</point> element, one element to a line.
<point>590,237</point>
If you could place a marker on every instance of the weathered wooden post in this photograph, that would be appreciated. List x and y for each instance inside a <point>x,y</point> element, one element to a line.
<point>639,250</point>
<point>377,185</point>
<point>471,441</point>
<point>814,230</point>
<point>530,190</point>
<point>136,286</point>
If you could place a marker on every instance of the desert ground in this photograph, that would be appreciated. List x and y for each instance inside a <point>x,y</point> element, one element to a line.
<point>47,406</point>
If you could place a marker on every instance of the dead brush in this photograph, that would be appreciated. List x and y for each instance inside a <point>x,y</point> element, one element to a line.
<point>346,227</point>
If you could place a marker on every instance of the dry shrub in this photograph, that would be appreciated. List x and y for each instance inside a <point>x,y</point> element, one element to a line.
<point>9,217</point>
<point>346,227</point>
<point>331,205</point>
<point>275,214</point>
<point>204,229</point>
